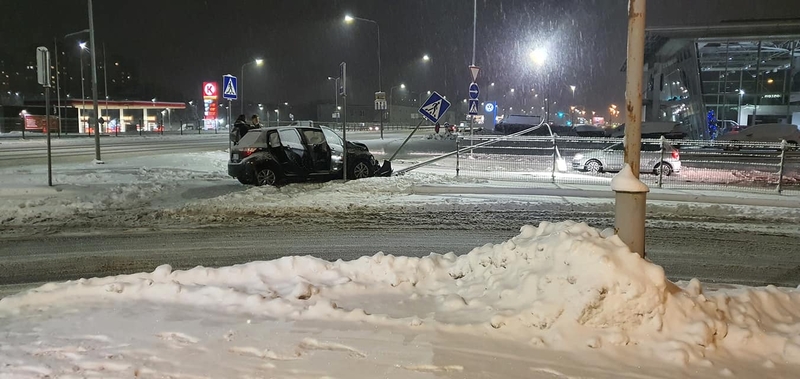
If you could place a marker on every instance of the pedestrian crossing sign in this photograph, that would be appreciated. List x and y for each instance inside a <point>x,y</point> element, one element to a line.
<point>434,108</point>
<point>229,87</point>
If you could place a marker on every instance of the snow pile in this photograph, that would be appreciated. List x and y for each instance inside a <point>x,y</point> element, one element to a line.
<point>316,198</point>
<point>24,199</point>
<point>564,286</point>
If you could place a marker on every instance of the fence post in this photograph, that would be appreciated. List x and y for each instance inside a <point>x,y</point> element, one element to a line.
<point>780,170</point>
<point>661,162</point>
<point>553,169</point>
<point>458,156</point>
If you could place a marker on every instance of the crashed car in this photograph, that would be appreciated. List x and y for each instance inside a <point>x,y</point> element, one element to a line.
<point>276,155</point>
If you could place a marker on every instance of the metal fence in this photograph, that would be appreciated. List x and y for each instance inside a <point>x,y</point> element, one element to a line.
<point>13,127</point>
<point>753,167</point>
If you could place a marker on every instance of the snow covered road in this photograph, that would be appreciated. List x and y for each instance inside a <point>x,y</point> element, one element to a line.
<point>686,251</point>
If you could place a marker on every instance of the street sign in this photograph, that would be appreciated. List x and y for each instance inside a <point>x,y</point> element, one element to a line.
<point>490,108</point>
<point>473,107</point>
<point>474,91</point>
<point>229,87</point>
<point>43,66</point>
<point>335,115</point>
<point>343,81</point>
<point>434,108</point>
<point>380,101</point>
<point>474,71</point>
<point>210,90</point>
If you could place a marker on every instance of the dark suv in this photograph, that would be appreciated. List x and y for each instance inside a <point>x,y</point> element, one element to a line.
<point>271,156</point>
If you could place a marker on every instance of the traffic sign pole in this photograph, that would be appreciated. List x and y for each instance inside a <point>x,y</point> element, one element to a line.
<point>343,92</point>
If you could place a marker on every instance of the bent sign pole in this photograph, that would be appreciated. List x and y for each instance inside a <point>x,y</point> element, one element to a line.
<point>631,197</point>
<point>43,76</point>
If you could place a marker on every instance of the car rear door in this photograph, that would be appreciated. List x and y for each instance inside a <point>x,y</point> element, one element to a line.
<point>319,152</point>
<point>294,152</point>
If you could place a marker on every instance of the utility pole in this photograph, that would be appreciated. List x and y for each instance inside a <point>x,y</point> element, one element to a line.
<point>94,87</point>
<point>631,194</point>
<point>58,87</point>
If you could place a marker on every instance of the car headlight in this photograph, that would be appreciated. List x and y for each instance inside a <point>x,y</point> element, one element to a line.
<point>578,157</point>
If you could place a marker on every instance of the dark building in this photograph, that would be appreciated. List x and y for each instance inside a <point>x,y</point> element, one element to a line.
<point>711,77</point>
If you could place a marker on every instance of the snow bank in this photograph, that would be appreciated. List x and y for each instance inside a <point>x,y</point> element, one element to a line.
<point>564,286</point>
<point>312,198</point>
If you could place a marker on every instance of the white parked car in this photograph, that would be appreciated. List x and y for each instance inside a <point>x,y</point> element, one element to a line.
<point>612,159</point>
<point>764,133</point>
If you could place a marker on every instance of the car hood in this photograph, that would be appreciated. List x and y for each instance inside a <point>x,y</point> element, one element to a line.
<point>358,145</point>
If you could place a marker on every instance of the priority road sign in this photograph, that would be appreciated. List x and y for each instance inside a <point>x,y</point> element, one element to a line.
<point>229,87</point>
<point>434,108</point>
<point>474,91</point>
<point>473,107</point>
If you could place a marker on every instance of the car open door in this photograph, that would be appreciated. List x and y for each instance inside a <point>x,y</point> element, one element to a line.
<point>318,159</point>
<point>293,152</point>
<point>337,149</point>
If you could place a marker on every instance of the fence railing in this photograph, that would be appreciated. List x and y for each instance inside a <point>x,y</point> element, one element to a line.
<point>689,164</point>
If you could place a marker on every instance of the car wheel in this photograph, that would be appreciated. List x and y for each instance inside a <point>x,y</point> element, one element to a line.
<point>360,170</point>
<point>266,176</point>
<point>594,166</point>
<point>667,169</point>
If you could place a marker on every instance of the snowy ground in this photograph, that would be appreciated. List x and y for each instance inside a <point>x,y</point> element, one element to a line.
<point>560,300</point>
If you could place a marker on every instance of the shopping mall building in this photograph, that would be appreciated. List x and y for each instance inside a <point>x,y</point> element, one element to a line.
<point>712,76</point>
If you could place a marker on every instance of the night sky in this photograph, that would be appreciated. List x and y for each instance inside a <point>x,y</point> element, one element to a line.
<point>177,44</point>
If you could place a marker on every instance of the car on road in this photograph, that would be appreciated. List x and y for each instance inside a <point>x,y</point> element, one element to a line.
<point>611,159</point>
<point>275,155</point>
<point>764,133</point>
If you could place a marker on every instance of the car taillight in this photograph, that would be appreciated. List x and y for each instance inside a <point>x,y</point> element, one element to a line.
<point>246,152</point>
<point>676,154</point>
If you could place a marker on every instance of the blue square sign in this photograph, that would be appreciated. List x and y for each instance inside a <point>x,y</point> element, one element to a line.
<point>434,108</point>
<point>230,89</point>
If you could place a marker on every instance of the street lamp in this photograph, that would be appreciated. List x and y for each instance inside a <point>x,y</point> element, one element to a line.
<point>427,93</point>
<point>426,58</point>
<point>739,113</point>
<point>348,19</point>
<point>258,62</point>
<point>82,46</point>
<point>539,56</point>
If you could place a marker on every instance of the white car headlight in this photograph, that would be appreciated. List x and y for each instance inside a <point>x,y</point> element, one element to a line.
<point>578,157</point>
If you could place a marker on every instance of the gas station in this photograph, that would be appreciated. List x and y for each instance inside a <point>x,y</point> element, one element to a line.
<point>124,114</point>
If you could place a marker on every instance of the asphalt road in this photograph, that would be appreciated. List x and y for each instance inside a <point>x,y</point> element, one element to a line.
<point>83,149</point>
<point>711,253</point>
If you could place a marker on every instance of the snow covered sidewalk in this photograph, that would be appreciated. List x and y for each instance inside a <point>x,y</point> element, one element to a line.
<point>558,300</point>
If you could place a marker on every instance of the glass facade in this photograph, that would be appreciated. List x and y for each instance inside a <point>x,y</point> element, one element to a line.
<point>716,84</point>
<point>749,82</point>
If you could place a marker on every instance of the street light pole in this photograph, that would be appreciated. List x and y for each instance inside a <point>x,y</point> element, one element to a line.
<point>630,193</point>
<point>92,51</point>
<point>257,62</point>
<point>349,19</point>
<point>391,92</point>
<point>83,91</point>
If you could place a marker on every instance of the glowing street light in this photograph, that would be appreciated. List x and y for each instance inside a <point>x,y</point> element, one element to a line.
<point>426,58</point>
<point>349,19</point>
<point>258,62</point>
<point>539,56</point>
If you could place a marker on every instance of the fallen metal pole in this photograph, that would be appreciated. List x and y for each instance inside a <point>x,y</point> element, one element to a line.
<point>406,141</point>
<point>461,150</point>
